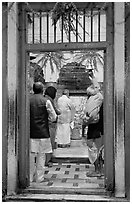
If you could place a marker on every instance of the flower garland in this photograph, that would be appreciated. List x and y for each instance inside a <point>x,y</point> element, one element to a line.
<point>65,12</point>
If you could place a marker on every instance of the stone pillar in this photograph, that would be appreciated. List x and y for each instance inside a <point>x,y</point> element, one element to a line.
<point>4,99</point>
<point>12,67</point>
<point>119,58</point>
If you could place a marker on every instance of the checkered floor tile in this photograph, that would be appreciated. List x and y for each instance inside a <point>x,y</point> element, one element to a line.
<point>72,176</point>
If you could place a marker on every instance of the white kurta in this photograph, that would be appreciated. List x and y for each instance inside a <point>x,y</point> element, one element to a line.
<point>63,131</point>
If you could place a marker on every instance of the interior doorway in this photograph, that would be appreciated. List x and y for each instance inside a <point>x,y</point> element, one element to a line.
<point>75,76</point>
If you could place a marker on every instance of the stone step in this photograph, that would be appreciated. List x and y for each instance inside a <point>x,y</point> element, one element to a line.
<point>76,153</point>
<point>62,197</point>
<point>63,190</point>
<point>78,143</point>
<point>71,152</point>
<point>70,160</point>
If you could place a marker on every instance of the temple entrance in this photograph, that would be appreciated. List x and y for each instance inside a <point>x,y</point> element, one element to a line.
<point>35,43</point>
<point>50,28</point>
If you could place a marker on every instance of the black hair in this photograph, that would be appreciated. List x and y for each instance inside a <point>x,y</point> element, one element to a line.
<point>38,87</point>
<point>51,91</point>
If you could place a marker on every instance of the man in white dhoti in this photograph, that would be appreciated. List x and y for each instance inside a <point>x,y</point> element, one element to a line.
<point>63,132</point>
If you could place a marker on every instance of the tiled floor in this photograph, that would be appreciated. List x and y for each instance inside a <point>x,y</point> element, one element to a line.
<point>68,176</point>
<point>71,176</point>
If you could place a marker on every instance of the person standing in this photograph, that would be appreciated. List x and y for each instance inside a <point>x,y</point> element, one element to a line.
<point>41,112</point>
<point>50,94</point>
<point>94,118</point>
<point>63,132</point>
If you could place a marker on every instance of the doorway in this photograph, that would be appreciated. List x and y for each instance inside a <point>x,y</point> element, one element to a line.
<point>108,79</point>
<point>76,157</point>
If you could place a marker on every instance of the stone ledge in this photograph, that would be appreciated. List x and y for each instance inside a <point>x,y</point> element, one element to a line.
<point>63,197</point>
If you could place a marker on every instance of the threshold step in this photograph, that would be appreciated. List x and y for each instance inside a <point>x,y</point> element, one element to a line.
<point>62,190</point>
<point>78,143</point>
<point>70,160</point>
<point>62,197</point>
<point>73,152</point>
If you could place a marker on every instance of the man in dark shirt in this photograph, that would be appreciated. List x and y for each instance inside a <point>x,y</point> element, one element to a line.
<point>41,112</point>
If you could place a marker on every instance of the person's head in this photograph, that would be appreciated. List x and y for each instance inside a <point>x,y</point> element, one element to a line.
<point>94,88</point>
<point>96,85</point>
<point>51,91</point>
<point>91,91</point>
<point>38,87</point>
<point>66,92</point>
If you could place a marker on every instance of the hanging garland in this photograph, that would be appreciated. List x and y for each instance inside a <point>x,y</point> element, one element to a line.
<point>90,57</point>
<point>62,9</point>
<point>54,58</point>
<point>64,12</point>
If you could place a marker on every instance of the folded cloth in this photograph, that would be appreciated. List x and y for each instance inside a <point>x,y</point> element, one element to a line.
<point>93,153</point>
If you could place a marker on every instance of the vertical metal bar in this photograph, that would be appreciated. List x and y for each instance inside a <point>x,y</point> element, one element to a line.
<point>76,26</point>
<point>54,33</point>
<point>62,30</point>
<point>84,25</point>
<point>47,27</point>
<point>91,25</point>
<point>99,25</point>
<point>40,25</point>
<point>69,29</point>
<point>33,30</point>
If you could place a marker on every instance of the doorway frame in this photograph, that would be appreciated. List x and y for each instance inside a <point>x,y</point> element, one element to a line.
<point>109,107</point>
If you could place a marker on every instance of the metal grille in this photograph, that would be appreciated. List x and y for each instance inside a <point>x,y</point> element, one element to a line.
<point>90,26</point>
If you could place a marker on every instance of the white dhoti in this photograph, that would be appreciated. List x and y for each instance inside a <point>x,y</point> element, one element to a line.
<point>37,158</point>
<point>63,133</point>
